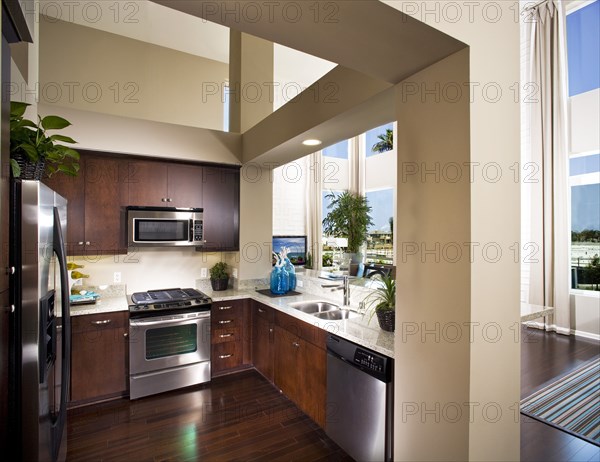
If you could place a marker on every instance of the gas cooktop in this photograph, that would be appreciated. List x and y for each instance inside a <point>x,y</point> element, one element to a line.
<point>165,301</point>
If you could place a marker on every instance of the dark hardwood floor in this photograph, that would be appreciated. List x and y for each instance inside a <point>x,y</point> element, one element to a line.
<point>243,417</point>
<point>546,356</point>
<point>238,417</point>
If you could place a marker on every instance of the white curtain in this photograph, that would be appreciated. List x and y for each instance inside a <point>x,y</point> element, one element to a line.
<point>549,267</point>
<point>314,206</point>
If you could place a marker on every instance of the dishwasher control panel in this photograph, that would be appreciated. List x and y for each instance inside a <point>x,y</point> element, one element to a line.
<point>369,361</point>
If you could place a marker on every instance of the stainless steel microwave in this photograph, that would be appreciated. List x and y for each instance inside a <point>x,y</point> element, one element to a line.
<point>164,227</point>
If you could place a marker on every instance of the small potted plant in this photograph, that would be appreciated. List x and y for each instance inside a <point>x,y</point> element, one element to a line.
<point>382,302</point>
<point>34,153</point>
<point>219,278</point>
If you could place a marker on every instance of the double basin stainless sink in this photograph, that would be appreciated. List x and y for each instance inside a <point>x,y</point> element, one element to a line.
<point>324,310</point>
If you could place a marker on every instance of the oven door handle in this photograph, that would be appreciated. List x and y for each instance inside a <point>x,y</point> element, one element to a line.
<point>139,323</point>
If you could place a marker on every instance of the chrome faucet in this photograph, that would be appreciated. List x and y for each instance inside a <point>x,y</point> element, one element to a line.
<point>345,286</point>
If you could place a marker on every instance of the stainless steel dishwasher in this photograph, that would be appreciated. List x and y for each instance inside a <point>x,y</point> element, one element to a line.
<point>359,400</point>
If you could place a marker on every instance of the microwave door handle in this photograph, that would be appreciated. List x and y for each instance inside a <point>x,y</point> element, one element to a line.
<point>191,234</point>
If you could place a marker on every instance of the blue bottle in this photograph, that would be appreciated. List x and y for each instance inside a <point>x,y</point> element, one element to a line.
<point>279,280</point>
<point>291,273</point>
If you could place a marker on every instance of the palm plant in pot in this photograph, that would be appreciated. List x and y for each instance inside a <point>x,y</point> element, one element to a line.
<point>34,153</point>
<point>382,302</point>
<point>219,278</point>
<point>349,217</point>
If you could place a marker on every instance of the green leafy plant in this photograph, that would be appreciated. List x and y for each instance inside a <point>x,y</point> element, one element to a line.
<point>383,298</point>
<point>30,141</point>
<point>219,271</point>
<point>349,217</point>
<point>385,143</point>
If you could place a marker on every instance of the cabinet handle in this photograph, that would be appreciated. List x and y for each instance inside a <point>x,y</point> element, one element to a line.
<point>87,242</point>
<point>225,356</point>
<point>296,344</point>
<point>164,199</point>
<point>10,309</point>
<point>225,335</point>
<point>225,321</point>
<point>101,323</point>
<point>80,243</point>
<point>260,310</point>
<point>270,329</point>
<point>169,199</point>
<point>10,270</point>
<point>225,307</point>
<point>125,335</point>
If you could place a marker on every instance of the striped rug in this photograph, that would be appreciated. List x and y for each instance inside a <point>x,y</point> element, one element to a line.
<point>571,404</point>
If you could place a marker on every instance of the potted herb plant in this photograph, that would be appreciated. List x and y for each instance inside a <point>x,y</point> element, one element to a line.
<point>382,302</point>
<point>349,216</point>
<point>34,153</point>
<point>219,278</point>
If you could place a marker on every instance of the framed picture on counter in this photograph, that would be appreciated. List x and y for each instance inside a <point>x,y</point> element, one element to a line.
<point>296,246</point>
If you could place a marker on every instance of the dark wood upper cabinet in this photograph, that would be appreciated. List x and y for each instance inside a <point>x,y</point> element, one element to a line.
<point>161,184</point>
<point>221,193</point>
<point>96,205</point>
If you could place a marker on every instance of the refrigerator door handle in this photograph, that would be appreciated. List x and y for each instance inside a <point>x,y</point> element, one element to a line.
<point>59,249</point>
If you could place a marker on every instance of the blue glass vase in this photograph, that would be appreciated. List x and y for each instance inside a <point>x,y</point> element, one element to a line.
<point>291,273</point>
<point>279,280</point>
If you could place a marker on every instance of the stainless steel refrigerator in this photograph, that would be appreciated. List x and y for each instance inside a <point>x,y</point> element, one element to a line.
<point>40,325</point>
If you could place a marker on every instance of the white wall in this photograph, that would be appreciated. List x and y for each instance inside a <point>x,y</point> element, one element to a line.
<point>290,184</point>
<point>89,69</point>
<point>491,29</point>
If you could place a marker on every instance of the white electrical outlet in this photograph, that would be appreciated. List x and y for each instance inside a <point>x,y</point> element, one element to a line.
<point>203,273</point>
<point>234,272</point>
<point>299,283</point>
<point>117,277</point>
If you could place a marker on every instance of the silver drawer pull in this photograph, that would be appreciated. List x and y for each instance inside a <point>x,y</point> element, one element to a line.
<point>260,310</point>
<point>225,307</point>
<point>225,356</point>
<point>225,321</point>
<point>296,344</point>
<point>101,323</point>
<point>225,335</point>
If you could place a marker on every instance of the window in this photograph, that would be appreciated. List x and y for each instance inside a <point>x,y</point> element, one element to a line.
<point>583,47</point>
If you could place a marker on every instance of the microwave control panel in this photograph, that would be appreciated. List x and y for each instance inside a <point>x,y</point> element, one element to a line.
<point>198,231</point>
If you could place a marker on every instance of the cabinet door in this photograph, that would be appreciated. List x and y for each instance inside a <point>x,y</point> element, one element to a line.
<point>147,183</point>
<point>221,202</point>
<point>185,185</point>
<point>312,372</point>
<point>105,201</point>
<point>100,356</point>
<point>262,340</point>
<point>287,352</point>
<point>72,188</point>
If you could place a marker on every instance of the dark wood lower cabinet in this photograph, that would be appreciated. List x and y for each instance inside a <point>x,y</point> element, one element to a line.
<point>99,357</point>
<point>230,337</point>
<point>301,373</point>
<point>263,338</point>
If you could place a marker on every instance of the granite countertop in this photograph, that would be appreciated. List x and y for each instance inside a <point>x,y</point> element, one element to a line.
<point>358,330</point>
<point>112,298</point>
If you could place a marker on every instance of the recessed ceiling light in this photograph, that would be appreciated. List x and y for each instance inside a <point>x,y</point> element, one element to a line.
<point>311,142</point>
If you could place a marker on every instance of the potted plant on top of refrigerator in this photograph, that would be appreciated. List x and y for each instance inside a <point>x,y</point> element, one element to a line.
<point>33,152</point>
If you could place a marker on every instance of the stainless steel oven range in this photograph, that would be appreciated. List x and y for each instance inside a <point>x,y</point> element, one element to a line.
<point>169,340</point>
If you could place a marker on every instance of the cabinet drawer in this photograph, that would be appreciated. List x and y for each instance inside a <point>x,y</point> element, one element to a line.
<point>226,310</point>
<point>263,311</point>
<point>228,334</point>
<point>226,356</point>
<point>103,321</point>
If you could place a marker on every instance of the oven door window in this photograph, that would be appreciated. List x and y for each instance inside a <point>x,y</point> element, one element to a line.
<point>153,230</point>
<point>162,342</point>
